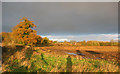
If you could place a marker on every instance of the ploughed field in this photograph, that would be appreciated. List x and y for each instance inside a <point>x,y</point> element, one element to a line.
<point>91,52</point>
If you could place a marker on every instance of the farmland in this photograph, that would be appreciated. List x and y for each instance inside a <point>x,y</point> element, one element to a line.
<point>61,59</point>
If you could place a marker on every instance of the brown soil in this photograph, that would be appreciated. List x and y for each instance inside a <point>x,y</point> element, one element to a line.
<point>91,52</point>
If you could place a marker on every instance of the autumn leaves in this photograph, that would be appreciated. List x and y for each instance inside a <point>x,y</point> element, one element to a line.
<point>23,33</point>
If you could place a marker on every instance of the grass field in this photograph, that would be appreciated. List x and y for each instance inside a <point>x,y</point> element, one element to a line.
<point>55,59</point>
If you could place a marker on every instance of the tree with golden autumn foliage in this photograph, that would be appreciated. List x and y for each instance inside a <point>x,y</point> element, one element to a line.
<point>24,34</point>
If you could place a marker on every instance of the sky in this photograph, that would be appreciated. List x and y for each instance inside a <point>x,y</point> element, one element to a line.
<point>0,16</point>
<point>60,0</point>
<point>65,20</point>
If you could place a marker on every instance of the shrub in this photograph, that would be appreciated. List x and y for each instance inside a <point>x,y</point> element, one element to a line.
<point>45,41</point>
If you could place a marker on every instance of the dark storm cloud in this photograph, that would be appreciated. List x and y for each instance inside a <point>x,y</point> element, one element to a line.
<point>64,18</point>
<point>0,16</point>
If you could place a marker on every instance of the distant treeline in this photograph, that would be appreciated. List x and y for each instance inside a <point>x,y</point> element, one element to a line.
<point>88,43</point>
<point>98,43</point>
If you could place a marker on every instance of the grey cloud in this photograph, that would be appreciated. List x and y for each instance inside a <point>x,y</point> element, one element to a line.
<point>0,16</point>
<point>64,18</point>
<point>60,1</point>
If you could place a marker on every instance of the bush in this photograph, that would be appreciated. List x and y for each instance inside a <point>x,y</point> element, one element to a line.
<point>45,41</point>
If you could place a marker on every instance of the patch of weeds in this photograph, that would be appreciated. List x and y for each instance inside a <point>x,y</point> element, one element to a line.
<point>29,53</point>
<point>95,66</point>
<point>38,50</point>
<point>40,70</point>
<point>15,61</point>
<point>32,66</point>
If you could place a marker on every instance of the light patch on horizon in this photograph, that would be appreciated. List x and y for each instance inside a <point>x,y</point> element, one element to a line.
<point>94,37</point>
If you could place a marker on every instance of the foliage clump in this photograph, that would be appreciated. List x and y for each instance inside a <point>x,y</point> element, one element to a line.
<point>24,33</point>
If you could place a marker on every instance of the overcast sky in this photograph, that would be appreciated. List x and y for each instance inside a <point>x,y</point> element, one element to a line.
<point>0,16</point>
<point>60,0</point>
<point>79,20</point>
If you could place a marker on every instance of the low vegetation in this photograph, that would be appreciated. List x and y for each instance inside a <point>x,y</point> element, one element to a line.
<point>42,61</point>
